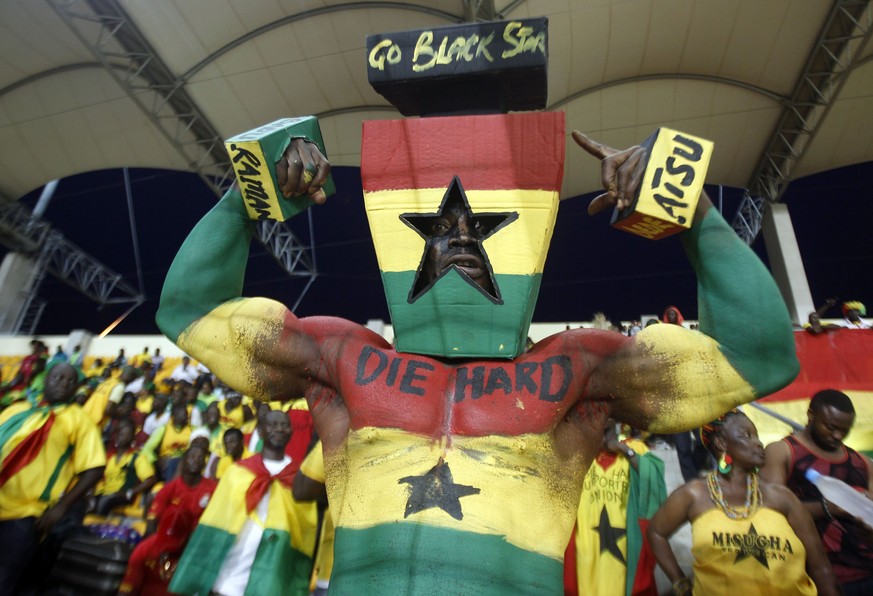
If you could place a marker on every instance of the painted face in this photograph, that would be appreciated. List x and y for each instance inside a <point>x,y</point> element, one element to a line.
<point>829,427</point>
<point>60,384</point>
<point>454,240</point>
<point>740,439</point>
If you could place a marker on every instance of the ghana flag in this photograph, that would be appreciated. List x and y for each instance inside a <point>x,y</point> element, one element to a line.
<point>284,557</point>
<point>486,515</point>
<point>505,172</point>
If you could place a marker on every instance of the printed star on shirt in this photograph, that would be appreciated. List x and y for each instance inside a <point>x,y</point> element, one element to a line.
<point>486,224</point>
<point>436,488</point>
<point>609,536</point>
<point>750,548</point>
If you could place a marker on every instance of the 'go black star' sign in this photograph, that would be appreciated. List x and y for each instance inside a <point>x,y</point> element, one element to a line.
<point>750,548</point>
<point>609,536</point>
<point>436,488</point>
<point>453,239</point>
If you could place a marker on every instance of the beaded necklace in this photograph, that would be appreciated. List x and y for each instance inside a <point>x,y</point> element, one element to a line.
<point>753,496</point>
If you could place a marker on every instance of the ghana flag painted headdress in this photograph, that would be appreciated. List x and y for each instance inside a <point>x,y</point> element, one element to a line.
<point>503,171</point>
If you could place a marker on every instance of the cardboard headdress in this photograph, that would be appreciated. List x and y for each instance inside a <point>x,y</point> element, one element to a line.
<point>502,171</point>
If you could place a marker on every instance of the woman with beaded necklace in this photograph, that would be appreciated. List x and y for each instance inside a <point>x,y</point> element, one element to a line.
<point>748,536</point>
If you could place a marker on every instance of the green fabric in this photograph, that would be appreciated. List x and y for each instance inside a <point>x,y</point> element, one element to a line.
<point>409,558</point>
<point>11,426</point>
<point>195,284</point>
<point>454,319</point>
<point>647,492</point>
<point>740,306</point>
<point>62,460</point>
<point>278,568</point>
<point>200,563</point>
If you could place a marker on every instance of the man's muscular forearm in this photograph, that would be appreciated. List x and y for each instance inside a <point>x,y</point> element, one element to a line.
<point>739,304</point>
<point>209,268</point>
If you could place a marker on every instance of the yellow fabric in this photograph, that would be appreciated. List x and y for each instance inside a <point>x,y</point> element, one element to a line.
<point>110,390</point>
<point>366,488</point>
<point>313,467</point>
<point>598,571</point>
<point>144,404</point>
<point>115,473</point>
<point>226,510</point>
<point>760,555</point>
<point>704,385</point>
<point>232,419</point>
<point>225,461</point>
<point>19,497</point>
<point>399,247</point>
<point>175,441</point>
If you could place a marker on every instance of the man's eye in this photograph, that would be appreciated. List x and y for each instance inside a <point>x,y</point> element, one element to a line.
<point>440,228</point>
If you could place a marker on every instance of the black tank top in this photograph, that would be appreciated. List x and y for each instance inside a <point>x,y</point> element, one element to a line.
<point>850,556</point>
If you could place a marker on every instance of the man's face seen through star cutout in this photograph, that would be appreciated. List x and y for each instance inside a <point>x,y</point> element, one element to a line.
<point>453,239</point>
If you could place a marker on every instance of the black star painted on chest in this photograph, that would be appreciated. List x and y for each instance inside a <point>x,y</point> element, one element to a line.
<point>453,238</point>
<point>436,488</point>
<point>609,536</point>
<point>751,548</point>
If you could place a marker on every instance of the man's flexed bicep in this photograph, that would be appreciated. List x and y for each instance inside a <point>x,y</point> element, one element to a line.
<point>256,346</point>
<point>669,379</point>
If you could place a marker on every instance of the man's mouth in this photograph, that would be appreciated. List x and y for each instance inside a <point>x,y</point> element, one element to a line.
<point>469,264</point>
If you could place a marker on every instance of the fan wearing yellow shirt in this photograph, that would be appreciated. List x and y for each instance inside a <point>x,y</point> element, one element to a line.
<point>43,449</point>
<point>127,472</point>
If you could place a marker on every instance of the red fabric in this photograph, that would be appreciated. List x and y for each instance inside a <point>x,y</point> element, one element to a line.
<point>301,434</point>
<point>571,581</point>
<point>178,494</point>
<point>26,451</point>
<point>644,582</point>
<point>412,153</point>
<point>261,484</point>
<point>839,359</point>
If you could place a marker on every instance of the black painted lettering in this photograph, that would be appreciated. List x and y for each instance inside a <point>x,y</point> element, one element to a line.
<point>476,383</point>
<point>361,378</point>
<point>667,204</point>
<point>561,363</point>
<point>243,153</point>
<point>524,377</point>
<point>695,149</point>
<point>410,376</point>
<point>498,379</point>
<point>685,170</point>
<point>392,372</point>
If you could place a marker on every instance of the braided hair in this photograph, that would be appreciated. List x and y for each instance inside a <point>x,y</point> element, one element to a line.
<point>709,431</point>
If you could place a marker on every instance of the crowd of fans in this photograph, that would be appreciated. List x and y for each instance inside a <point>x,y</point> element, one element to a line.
<point>201,476</point>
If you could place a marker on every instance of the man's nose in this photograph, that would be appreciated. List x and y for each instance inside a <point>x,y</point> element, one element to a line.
<point>461,235</point>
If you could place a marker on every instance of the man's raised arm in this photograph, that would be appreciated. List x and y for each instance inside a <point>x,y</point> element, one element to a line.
<point>671,379</point>
<point>201,309</point>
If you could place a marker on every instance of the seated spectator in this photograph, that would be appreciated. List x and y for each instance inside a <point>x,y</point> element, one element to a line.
<point>159,414</point>
<point>107,395</point>
<point>189,490</point>
<point>748,536</point>
<point>157,361</point>
<point>154,560</point>
<point>125,410</point>
<point>206,395</point>
<point>819,446</point>
<point>233,413</point>
<point>253,523</point>
<point>30,367</point>
<point>120,360</point>
<point>233,450</point>
<point>168,442</point>
<point>185,371</point>
<point>43,450</point>
<point>852,313</point>
<point>127,474</point>
<point>608,553</point>
<point>214,429</point>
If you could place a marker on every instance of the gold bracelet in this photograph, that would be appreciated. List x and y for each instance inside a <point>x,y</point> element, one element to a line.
<point>682,586</point>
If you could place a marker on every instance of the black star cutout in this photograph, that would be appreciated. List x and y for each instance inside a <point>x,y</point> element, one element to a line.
<point>609,536</point>
<point>750,548</point>
<point>483,226</point>
<point>436,488</point>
